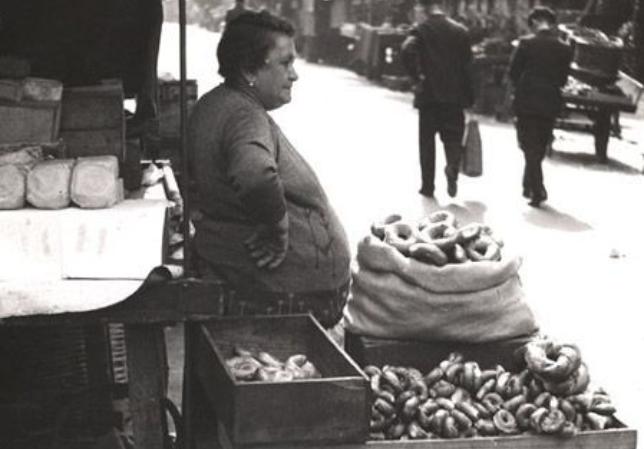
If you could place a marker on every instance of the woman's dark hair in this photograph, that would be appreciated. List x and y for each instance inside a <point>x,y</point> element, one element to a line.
<point>246,41</point>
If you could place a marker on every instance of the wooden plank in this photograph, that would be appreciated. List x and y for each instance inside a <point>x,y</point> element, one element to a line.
<point>606,439</point>
<point>146,373</point>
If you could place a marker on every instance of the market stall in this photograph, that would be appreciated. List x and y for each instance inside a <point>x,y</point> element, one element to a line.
<point>442,351</point>
<point>72,305</point>
<point>597,89</point>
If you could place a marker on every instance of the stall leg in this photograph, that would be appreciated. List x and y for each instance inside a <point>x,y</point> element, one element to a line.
<point>146,383</point>
<point>602,133</point>
<point>188,399</point>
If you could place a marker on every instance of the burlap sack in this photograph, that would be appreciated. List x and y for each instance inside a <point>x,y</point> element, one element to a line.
<point>397,297</point>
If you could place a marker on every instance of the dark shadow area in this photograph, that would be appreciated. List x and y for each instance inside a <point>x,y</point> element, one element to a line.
<point>551,218</point>
<point>589,161</point>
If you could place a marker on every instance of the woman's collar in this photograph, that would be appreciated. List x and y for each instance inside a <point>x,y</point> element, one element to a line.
<point>243,87</point>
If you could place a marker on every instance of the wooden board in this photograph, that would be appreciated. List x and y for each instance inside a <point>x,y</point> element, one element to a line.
<point>605,439</point>
<point>332,409</point>
<point>426,355</point>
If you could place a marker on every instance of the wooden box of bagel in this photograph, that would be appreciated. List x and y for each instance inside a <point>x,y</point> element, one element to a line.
<point>426,355</point>
<point>327,410</point>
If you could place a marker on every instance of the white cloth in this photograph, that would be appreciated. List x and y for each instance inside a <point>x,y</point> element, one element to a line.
<point>74,260</point>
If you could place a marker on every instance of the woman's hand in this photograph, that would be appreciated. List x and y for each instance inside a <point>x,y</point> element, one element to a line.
<point>268,244</point>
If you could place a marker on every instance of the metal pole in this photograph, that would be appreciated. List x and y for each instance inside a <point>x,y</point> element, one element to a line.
<point>183,120</point>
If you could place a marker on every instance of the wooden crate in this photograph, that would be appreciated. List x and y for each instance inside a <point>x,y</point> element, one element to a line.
<point>94,142</point>
<point>29,121</point>
<point>334,408</point>
<point>93,122</point>
<point>92,107</point>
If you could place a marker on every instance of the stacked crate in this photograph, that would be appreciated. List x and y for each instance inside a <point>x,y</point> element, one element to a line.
<point>92,121</point>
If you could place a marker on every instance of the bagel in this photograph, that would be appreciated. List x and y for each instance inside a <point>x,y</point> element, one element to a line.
<point>486,427</point>
<point>567,359</point>
<point>428,253</point>
<point>441,216</point>
<point>552,422</point>
<point>400,235</point>
<point>486,230</point>
<point>450,429</point>
<point>493,402</point>
<point>505,422</point>
<point>483,248</point>
<point>523,414</point>
<point>575,384</point>
<point>440,234</point>
<point>554,364</point>
<point>378,227</point>
<point>243,367</point>
<point>463,421</point>
<point>469,232</point>
<point>536,355</point>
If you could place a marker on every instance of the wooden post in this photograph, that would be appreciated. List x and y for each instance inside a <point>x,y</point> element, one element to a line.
<point>146,384</point>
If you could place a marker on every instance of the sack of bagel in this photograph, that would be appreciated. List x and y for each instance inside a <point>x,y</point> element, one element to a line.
<point>434,296</point>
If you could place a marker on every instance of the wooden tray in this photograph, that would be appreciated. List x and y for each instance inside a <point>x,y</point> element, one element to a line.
<point>333,409</point>
<point>605,439</point>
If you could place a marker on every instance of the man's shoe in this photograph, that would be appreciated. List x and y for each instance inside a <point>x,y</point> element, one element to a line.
<point>536,200</point>
<point>452,187</point>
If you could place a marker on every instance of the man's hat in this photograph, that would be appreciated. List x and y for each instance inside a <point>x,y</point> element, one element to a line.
<point>542,13</point>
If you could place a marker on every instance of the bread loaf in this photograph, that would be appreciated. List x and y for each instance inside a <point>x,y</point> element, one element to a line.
<point>95,182</point>
<point>13,185</point>
<point>48,184</point>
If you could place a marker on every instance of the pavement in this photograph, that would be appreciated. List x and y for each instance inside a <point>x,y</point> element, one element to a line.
<point>583,251</point>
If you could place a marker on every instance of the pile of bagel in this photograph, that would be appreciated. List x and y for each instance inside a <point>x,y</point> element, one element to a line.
<point>458,399</point>
<point>438,239</point>
<point>264,367</point>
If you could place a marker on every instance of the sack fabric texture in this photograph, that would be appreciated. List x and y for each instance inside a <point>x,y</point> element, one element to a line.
<point>394,296</point>
<point>472,161</point>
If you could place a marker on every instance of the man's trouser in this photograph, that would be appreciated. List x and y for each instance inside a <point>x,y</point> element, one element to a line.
<point>534,134</point>
<point>448,121</point>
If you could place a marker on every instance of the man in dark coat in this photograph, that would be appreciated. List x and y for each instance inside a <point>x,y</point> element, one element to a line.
<point>538,69</point>
<point>438,57</point>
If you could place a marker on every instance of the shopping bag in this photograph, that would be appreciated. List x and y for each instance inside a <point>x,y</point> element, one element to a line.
<point>472,162</point>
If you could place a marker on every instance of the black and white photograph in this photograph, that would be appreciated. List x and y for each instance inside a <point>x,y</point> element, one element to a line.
<point>324,224</point>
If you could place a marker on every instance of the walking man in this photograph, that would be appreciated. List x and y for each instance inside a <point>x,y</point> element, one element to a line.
<point>438,57</point>
<point>538,69</point>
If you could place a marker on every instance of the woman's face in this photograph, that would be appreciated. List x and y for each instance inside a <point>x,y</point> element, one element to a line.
<point>274,80</point>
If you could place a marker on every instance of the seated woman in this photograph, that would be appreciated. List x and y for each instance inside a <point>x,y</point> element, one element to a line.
<point>264,222</point>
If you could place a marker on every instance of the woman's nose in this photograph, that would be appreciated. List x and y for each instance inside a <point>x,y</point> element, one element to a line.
<point>292,74</point>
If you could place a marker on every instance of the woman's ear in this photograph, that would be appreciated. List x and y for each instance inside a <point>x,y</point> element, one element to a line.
<point>249,78</point>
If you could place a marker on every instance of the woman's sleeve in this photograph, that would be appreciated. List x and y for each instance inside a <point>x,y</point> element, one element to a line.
<point>251,157</point>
